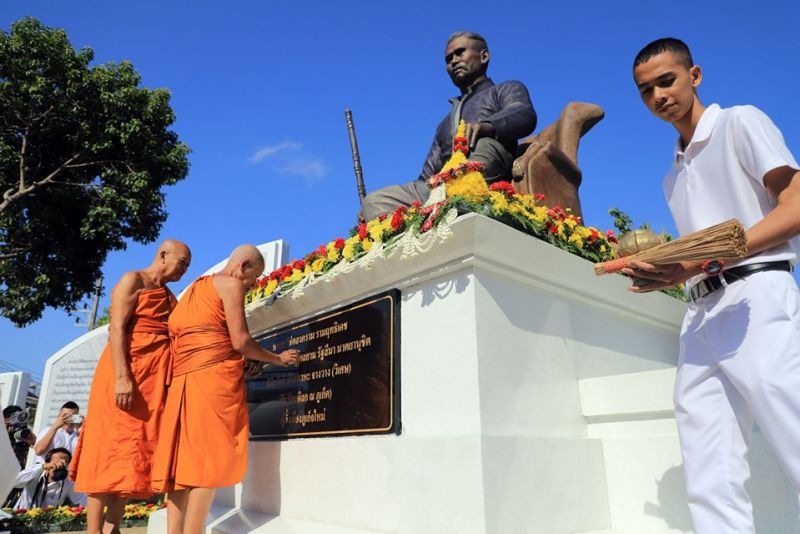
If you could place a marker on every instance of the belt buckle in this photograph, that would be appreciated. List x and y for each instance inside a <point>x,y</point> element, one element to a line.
<point>702,288</point>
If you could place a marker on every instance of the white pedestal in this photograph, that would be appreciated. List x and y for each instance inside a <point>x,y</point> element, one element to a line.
<point>535,398</point>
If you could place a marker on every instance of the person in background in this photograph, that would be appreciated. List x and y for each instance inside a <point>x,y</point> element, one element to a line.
<point>20,434</point>
<point>47,484</point>
<point>63,433</point>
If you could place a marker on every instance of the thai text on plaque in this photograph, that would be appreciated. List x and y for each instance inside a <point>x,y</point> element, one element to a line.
<point>346,381</point>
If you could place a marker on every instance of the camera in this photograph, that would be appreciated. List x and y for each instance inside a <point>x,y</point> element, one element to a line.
<point>22,434</point>
<point>59,474</point>
<point>75,419</point>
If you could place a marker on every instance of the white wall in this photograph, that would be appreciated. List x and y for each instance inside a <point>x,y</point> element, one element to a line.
<point>14,388</point>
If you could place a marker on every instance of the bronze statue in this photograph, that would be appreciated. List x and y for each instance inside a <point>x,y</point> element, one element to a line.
<point>496,116</point>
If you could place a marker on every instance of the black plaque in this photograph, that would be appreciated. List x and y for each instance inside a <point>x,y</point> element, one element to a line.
<point>346,382</point>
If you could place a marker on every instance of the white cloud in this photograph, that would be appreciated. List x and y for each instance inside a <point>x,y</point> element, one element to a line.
<point>270,150</point>
<point>312,170</point>
<point>288,158</point>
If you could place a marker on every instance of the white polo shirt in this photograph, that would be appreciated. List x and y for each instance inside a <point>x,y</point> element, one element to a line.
<point>720,175</point>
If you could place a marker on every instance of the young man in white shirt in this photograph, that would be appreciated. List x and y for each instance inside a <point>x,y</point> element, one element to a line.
<point>739,360</point>
<point>47,484</point>
<point>64,431</point>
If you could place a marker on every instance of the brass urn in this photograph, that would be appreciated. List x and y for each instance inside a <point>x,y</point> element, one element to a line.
<point>637,241</point>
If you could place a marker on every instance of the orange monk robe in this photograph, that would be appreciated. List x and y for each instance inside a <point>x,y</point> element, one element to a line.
<point>205,428</point>
<point>116,446</point>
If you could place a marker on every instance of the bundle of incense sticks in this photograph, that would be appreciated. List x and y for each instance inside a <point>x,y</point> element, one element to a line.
<point>724,241</point>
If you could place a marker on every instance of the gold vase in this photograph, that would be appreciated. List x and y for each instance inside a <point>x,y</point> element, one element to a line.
<point>637,241</point>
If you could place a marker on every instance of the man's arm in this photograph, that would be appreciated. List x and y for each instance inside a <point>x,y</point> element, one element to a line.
<point>231,292</point>
<point>516,117</point>
<point>783,222</point>
<point>27,475</point>
<point>123,302</point>
<point>43,445</point>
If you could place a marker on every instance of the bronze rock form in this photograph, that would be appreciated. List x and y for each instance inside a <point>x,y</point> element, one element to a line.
<point>548,163</point>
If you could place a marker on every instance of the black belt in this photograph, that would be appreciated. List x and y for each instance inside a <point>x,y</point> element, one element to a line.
<point>734,274</point>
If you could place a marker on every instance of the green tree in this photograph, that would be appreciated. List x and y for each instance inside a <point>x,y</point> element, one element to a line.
<point>84,154</point>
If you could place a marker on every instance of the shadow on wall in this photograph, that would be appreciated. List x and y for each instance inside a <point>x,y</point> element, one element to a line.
<point>441,289</point>
<point>775,501</point>
<point>672,505</point>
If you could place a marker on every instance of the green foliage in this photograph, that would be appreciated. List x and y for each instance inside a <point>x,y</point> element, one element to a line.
<point>84,154</point>
<point>622,221</point>
<point>103,319</point>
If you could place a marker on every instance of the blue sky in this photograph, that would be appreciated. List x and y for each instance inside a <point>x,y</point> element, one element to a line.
<point>259,90</point>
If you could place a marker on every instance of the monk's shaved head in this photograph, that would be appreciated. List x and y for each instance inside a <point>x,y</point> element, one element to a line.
<point>172,260</point>
<point>173,245</point>
<point>246,252</point>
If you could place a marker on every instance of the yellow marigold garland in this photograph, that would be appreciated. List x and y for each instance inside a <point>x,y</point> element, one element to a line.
<point>555,225</point>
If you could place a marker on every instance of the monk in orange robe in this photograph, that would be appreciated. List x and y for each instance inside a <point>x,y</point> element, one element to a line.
<point>204,433</point>
<point>114,453</point>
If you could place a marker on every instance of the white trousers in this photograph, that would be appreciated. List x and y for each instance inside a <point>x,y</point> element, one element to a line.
<point>739,363</point>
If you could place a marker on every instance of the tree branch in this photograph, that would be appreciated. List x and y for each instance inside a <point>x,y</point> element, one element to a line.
<point>9,255</point>
<point>11,196</point>
<point>90,163</point>
<point>12,253</point>
<point>22,161</point>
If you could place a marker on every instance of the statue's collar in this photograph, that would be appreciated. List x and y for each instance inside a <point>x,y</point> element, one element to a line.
<point>477,88</point>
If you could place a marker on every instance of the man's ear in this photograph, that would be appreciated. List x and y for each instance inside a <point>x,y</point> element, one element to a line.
<point>696,75</point>
<point>485,56</point>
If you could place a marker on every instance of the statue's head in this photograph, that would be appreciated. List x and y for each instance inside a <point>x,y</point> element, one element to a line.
<point>467,58</point>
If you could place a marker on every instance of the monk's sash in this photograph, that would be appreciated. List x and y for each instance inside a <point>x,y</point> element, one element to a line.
<point>200,347</point>
<point>147,325</point>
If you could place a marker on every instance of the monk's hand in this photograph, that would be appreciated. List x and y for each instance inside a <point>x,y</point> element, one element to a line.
<point>650,277</point>
<point>123,391</point>
<point>476,130</point>
<point>288,357</point>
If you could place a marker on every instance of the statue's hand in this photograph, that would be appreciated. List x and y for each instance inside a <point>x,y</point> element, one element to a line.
<point>476,130</point>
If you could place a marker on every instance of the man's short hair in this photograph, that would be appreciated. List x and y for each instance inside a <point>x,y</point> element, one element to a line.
<point>667,44</point>
<point>51,452</point>
<point>8,411</point>
<point>70,405</point>
<point>469,35</point>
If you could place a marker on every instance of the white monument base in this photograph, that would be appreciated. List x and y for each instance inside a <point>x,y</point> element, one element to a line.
<point>535,398</point>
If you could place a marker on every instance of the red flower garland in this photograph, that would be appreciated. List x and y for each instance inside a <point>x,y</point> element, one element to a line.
<point>460,145</point>
<point>503,187</point>
<point>455,172</point>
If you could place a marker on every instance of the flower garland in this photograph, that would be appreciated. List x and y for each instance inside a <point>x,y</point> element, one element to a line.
<point>462,177</point>
<point>68,517</point>
<point>418,228</point>
<point>456,172</point>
